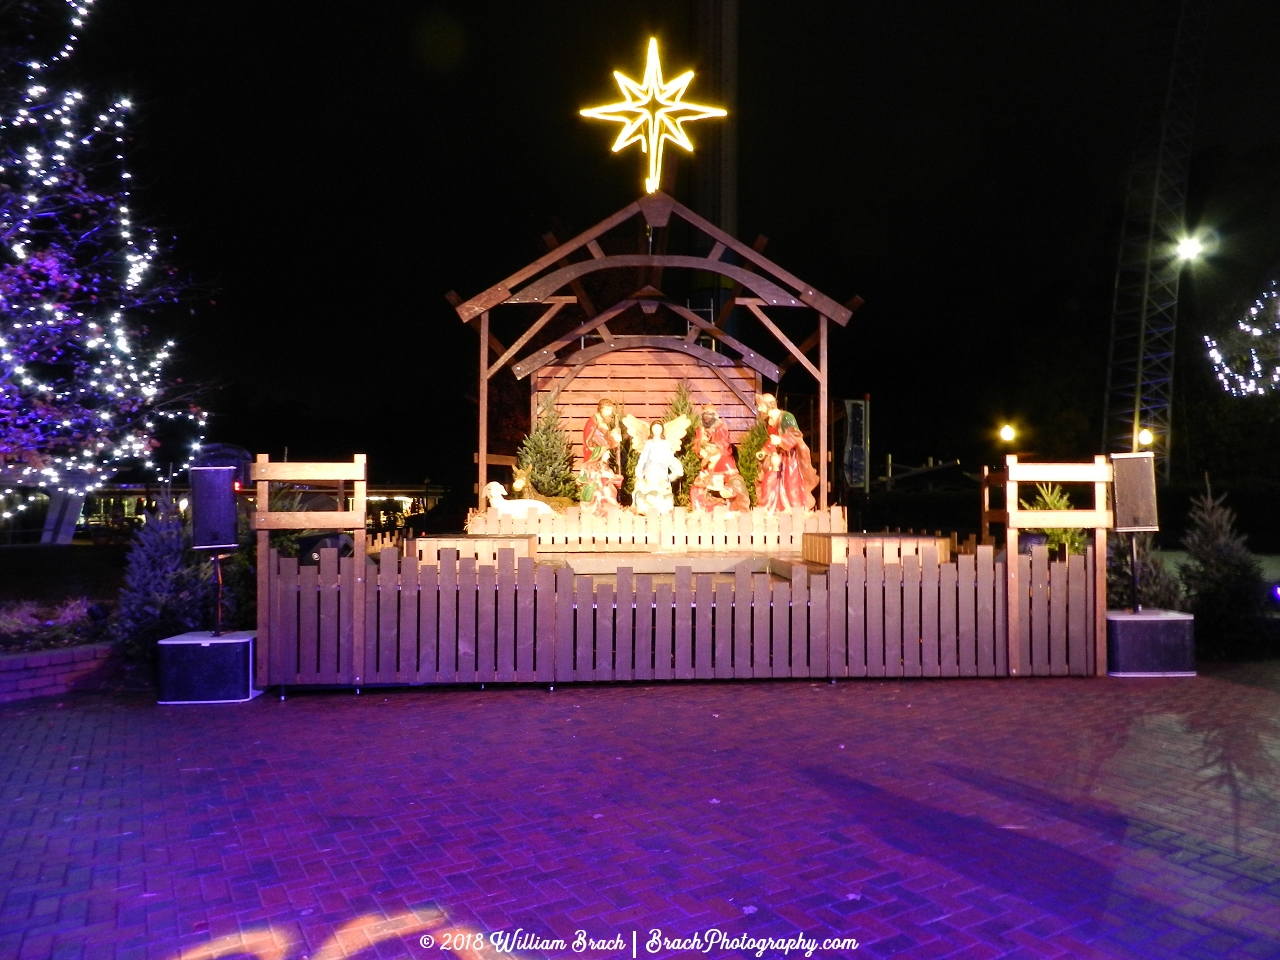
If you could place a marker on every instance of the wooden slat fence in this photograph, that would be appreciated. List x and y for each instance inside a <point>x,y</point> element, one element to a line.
<point>456,621</point>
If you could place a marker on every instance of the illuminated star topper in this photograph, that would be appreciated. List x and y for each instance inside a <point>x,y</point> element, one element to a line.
<point>653,113</point>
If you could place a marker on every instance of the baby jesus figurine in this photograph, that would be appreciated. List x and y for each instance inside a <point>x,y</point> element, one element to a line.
<point>718,484</point>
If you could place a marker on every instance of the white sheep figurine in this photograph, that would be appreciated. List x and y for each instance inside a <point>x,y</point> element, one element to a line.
<point>521,509</point>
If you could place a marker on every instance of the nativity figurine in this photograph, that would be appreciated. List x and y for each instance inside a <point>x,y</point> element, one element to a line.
<point>718,484</point>
<point>786,477</point>
<point>598,482</point>
<point>658,465</point>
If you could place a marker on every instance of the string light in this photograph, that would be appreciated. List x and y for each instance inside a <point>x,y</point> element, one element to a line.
<point>653,113</point>
<point>1246,360</point>
<point>80,394</point>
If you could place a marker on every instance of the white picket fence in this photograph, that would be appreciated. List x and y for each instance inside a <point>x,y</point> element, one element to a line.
<point>681,531</point>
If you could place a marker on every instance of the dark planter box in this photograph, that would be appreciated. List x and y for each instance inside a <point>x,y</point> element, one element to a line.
<point>1151,643</point>
<point>201,668</point>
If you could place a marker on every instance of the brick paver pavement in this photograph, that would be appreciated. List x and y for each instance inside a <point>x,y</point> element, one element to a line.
<point>1033,818</point>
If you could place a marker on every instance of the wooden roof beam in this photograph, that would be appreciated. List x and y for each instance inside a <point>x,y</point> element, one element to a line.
<point>662,342</point>
<point>657,209</point>
<point>760,243</point>
<point>814,298</point>
<point>536,361</point>
<point>575,285</point>
<point>494,343</point>
<point>811,341</point>
<point>760,285</point>
<point>754,306</point>
<point>752,359</point>
<point>807,344</point>
<point>537,325</point>
<point>501,291</point>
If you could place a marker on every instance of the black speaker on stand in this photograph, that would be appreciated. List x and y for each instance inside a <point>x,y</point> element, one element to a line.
<point>204,667</point>
<point>1134,504</point>
<point>213,508</point>
<point>1144,643</point>
<point>213,520</point>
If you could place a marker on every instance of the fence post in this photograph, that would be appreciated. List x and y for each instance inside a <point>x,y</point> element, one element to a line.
<point>1016,666</point>
<point>262,656</point>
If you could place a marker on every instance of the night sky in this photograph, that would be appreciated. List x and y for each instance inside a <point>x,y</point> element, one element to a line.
<point>329,171</point>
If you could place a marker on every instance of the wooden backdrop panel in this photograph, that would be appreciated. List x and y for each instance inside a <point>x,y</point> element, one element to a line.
<point>644,381</point>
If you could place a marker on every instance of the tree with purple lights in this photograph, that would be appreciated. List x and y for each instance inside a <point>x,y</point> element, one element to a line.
<point>80,393</point>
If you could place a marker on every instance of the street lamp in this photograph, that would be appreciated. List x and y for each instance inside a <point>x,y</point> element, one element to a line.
<point>1007,433</point>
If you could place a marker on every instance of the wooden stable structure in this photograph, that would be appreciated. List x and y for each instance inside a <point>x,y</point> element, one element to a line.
<point>575,374</point>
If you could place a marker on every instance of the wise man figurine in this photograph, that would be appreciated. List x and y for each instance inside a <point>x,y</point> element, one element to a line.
<point>718,484</point>
<point>598,482</point>
<point>786,478</point>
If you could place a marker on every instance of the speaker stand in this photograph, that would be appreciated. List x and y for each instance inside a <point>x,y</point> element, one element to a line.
<point>217,610</point>
<point>1133,570</point>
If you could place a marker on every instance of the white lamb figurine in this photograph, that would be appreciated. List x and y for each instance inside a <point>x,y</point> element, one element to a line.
<point>497,496</point>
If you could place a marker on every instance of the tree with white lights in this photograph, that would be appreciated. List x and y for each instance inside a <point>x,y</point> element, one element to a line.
<point>1246,359</point>
<point>80,394</point>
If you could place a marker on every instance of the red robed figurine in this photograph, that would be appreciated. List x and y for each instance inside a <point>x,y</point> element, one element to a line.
<point>597,482</point>
<point>786,479</point>
<point>718,483</point>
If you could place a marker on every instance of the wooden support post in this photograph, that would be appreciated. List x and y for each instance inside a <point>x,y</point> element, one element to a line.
<point>1101,501</point>
<point>483,459</point>
<point>823,412</point>
<point>360,494</point>
<point>1014,632</point>
<point>262,651</point>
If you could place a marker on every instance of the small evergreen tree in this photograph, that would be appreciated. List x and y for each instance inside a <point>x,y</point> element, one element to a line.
<point>682,405</point>
<point>1223,580</point>
<point>546,456</point>
<point>752,442</point>
<point>1158,586</point>
<point>166,587</point>
<point>629,457</point>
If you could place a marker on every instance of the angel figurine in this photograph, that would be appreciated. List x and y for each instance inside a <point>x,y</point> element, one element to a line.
<point>657,466</point>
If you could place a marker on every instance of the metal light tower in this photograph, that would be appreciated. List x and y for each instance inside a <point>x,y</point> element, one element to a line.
<point>1144,313</point>
<point>716,174</point>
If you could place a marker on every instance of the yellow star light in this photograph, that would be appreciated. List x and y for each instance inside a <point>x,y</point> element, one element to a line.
<point>653,113</point>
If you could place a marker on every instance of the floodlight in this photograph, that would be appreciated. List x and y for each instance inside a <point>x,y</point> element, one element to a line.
<point>1007,433</point>
<point>1189,248</point>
